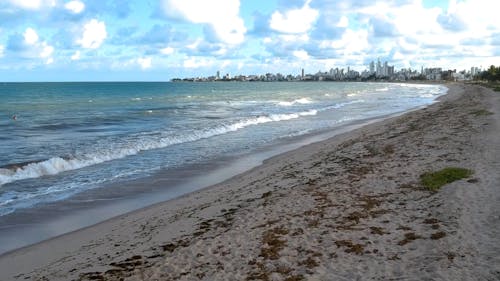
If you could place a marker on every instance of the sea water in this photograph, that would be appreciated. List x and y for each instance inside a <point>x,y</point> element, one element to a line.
<point>60,139</point>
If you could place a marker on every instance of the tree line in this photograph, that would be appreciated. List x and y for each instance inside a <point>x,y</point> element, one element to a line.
<point>492,74</point>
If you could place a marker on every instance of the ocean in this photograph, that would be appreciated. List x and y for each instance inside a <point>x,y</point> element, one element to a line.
<point>58,140</point>
<point>70,137</point>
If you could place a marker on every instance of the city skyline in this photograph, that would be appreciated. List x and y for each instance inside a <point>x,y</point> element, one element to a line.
<point>379,71</point>
<point>157,40</point>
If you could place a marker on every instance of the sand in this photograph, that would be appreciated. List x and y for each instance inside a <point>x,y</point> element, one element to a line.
<point>348,208</point>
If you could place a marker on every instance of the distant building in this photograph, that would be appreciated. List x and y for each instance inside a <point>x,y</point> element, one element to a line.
<point>379,68</point>
<point>372,67</point>
<point>390,71</point>
<point>433,73</point>
<point>474,71</point>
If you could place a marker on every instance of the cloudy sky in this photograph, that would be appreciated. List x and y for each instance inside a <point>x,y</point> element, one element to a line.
<point>75,40</point>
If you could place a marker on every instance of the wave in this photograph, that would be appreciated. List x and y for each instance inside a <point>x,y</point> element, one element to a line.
<point>340,105</point>
<point>385,89</point>
<point>426,96</point>
<point>297,101</point>
<point>139,143</point>
<point>57,165</point>
<point>140,99</point>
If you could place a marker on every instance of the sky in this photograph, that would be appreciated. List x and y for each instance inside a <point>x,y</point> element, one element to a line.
<point>157,40</point>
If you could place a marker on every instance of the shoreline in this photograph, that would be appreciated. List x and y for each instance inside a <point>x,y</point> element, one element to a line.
<point>315,212</point>
<point>38,224</point>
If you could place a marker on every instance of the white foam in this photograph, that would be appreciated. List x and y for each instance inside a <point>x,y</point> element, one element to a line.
<point>426,96</point>
<point>57,165</point>
<point>340,105</point>
<point>297,101</point>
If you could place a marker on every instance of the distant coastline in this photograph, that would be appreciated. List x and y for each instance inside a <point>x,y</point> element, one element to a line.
<point>375,73</point>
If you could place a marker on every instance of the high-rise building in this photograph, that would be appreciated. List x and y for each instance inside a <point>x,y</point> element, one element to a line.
<point>390,71</point>
<point>302,73</point>
<point>379,68</point>
<point>372,67</point>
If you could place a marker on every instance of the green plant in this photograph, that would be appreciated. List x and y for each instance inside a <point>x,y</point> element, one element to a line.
<point>481,112</point>
<point>435,180</point>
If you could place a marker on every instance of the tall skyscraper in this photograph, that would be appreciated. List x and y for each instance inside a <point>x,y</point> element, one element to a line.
<point>379,68</point>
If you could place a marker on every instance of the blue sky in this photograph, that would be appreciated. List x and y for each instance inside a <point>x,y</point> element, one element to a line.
<point>156,40</point>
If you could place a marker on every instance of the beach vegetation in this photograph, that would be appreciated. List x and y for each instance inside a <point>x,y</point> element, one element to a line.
<point>377,230</point>
<point>492,74</point>
<point>431,221</point>
<point>271,238</point>
<point>435,180</point>
<point>295,278</point>
<point>351,247</point>
<point>309,263</point>
<point>438,235</point>
<point>409,237</point>
<point>388,149</point>
<point>372,150</point>
<point>482,112</point>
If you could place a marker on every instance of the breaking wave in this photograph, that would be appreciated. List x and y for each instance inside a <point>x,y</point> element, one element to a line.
<point>57,165</point>
<point>297,101</point>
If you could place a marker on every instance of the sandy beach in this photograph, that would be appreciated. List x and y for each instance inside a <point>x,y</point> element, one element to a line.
<point>348,208</point>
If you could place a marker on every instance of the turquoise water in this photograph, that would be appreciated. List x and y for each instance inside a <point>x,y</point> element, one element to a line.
<point>72,137</point>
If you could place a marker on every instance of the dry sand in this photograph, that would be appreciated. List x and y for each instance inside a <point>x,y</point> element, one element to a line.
<point>348,208</point>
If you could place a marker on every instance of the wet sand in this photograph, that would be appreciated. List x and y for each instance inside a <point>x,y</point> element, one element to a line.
<point>348,208</point>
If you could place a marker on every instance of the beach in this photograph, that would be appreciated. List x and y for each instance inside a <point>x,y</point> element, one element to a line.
<point>348,208</point>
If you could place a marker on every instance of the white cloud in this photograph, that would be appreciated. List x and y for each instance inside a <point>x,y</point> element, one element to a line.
<point>33,4</point>
<point>221,15</point>
<point>145,63</point>
<point>46,50</point>
<point>76,56</point>
<point>351,42</point>
<point>2,48</point>
<point>93,35</point>
<point>195,44</point>
<point>294,21</point>
<point>343,22</point>
<point>479,16</point>
<point>30,36</point>
<point>303,38</point>
<point>301,54</point>
<point>75,6</point>
<point>167,51</point>
<point>35,48</point>
<point>225,64</point>
<point>197,63</point>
